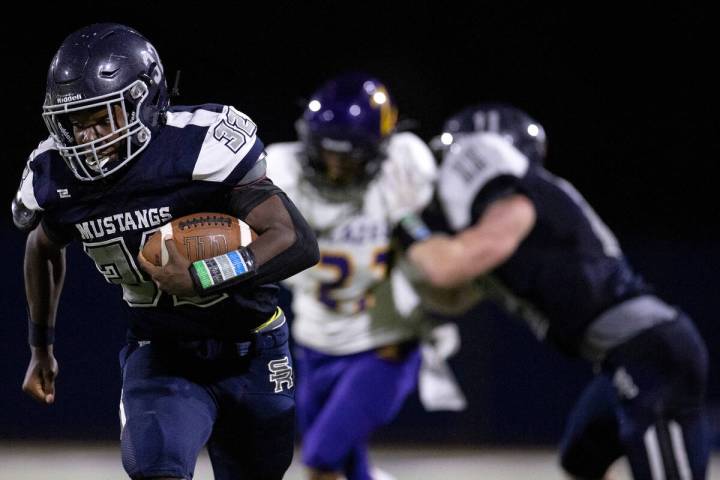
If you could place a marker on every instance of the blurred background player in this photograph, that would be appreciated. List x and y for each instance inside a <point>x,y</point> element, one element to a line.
<point>534,243</point>
<point>204,364</point>
<point>354,178</point>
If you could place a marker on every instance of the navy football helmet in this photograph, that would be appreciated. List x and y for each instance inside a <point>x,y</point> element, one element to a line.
<point>516,126</point>
<point>344,129</point>
<point>111,67</point>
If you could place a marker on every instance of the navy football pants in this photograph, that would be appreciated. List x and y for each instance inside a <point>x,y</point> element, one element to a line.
<point>235,397</point>
<point>646,404</point>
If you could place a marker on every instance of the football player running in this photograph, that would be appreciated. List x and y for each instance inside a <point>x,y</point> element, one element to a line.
<point>354,178</point>
<point>205,364</point>
<point>532,240</point>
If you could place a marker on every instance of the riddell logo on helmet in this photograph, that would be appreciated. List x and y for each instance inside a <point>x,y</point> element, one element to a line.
<point>70,97</point>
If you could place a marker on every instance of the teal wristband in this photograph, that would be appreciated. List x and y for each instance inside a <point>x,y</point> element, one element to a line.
<point>216,273</point>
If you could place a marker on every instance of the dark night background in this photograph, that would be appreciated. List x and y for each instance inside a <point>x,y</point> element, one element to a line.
<point>628,99</point>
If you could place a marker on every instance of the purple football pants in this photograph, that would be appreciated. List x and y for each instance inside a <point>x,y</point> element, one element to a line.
<point>342,400</point>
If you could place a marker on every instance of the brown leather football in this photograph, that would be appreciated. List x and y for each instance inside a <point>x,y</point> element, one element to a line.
<point>198,236</point>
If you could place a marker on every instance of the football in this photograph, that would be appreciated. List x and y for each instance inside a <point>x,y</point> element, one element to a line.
<point>198,236</point>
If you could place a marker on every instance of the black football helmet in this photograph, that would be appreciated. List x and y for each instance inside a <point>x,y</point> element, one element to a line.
<point>513,124</point>
<point>105,66</point>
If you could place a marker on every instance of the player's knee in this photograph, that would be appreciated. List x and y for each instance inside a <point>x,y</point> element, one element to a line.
<point>579,466</point>
<point>698,363</point>
<point>149,450</point>
<point>320,457</point>
<point>688,353</point>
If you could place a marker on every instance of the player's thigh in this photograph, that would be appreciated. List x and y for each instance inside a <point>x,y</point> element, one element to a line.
<point>166,418</point>
<point>317,374</point>
<point>254,433</point>
<point>368,394</point>
<point>660,372</point>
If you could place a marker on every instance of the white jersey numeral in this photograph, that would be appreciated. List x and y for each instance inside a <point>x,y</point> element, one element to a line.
<point>114,261</point>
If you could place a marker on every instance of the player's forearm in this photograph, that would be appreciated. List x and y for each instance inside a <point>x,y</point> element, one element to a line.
<point>440,260</point>
<point>44,275</point>
<point>285,246</point>
<point>293,243</point>
<point>272,242</point>
<point>484,246</point>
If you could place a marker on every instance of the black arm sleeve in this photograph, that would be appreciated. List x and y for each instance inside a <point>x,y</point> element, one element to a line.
<point>302,254</point>
<point>243,199</point>
<point>58,234</point>
<point>495,189</point>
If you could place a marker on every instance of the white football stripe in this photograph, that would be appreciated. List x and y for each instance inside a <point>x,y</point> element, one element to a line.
<point>245,233</point>
<point>165,231</point>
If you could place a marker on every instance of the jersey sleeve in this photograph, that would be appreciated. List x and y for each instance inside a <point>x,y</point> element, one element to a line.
<point>36,183</point>
<point>31,184</point>
<point>230,146</point>
<point>477,170</point>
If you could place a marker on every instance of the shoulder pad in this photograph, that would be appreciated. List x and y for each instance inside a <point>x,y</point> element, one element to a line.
<point>408,148</point>
<point>283,164</point>
<point>230,146</point>
<point>471,164</point>
<point>37,161</point>
<point>25,217</point>
<point>408,175</point>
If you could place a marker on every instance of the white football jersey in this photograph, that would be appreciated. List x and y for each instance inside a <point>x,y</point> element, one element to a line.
<point>336,302</point>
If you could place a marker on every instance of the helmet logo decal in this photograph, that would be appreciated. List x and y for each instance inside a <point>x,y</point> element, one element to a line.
<point>70,97</point>
<point>388,113</point>
<point>150,57</point>
<point>489,121</point>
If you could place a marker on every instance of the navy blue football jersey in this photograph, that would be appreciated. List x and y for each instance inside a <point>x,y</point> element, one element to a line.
<point>569,269</point>
<point>191,165</point>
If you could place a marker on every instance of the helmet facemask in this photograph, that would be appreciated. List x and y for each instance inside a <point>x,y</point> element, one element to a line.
<point>340,169</point>
<point>102,156</point>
